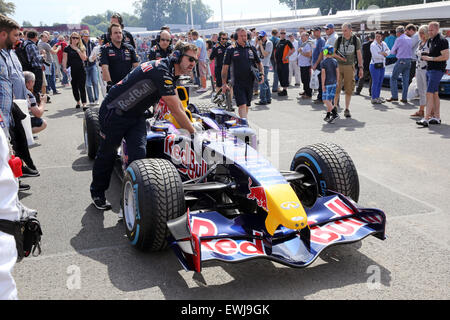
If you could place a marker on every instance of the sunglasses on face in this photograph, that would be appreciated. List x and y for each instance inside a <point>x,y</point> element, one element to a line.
<point>282,32</point>
<point>225,39</point>
<point>191,59</point>
<point>75,38</point>
<point>168,40</point>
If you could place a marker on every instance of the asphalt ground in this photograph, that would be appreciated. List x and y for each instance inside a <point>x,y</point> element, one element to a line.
<point>404,170</point>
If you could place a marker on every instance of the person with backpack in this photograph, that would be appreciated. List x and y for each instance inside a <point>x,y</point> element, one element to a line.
<point>347,51</point>
<point>34,62</point>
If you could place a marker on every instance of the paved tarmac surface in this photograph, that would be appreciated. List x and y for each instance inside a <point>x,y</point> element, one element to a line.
<point>403,170</point>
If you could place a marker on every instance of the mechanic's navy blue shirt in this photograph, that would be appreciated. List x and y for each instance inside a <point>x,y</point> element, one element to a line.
<point>143,87</point>
<point>119,60</point>
<point>217,54</point>
<point>241,59</point>
<point>156,52</point>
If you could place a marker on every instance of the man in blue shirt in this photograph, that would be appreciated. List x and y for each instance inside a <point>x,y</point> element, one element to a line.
<point>317,57</point>
<point>202,64</point>
<point>390,40</point>
<point>9,35</point>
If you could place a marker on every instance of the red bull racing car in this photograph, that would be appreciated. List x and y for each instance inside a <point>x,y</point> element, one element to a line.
<point>214,197</point>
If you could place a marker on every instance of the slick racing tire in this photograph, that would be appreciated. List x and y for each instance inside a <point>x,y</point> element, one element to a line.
<point>326,166</point>
<point>152,193</point>
<point>91,132</point>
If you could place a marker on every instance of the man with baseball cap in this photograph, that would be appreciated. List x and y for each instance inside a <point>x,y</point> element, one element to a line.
<point>264,47</point>
<point>331,34</point>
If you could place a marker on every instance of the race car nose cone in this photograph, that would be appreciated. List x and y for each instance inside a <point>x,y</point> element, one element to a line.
<point>283,208</point>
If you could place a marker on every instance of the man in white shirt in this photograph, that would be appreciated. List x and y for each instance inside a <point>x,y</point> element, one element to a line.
<point>304,62</point>
<point>294,70</point>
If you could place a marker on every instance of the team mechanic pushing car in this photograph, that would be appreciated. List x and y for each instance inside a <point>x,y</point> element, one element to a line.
<point>121,114</point>
<point>242,57</point>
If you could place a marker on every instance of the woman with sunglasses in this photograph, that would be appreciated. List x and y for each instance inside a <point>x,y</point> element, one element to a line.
<point>74,55</point>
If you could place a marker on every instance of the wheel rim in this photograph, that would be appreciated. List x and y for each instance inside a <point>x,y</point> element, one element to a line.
<point>129,205</point>
<point>307,195</point>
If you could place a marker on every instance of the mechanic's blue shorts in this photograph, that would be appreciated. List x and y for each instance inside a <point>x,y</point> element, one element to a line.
<point>433,80</point>
<point>36,122</point>
<point>243,94</point>
<point>329,92</point>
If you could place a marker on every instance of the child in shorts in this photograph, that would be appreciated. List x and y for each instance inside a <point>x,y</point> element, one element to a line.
<point>330,77</point>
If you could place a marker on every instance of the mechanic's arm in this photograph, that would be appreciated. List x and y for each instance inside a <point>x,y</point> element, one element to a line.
<point>261,71</point>
<point>176,108</point>
<point>225,69</point>
<point>105,73</point>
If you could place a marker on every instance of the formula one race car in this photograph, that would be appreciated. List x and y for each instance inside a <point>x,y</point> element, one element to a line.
<point>212,196</point>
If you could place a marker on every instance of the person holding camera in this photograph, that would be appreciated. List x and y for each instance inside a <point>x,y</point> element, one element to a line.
<point>264,47</point>
<point>243,59</point>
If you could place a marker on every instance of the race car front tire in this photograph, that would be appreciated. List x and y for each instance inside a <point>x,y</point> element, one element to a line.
<point>152,195</point>
<point>91,132</point>
<point>326,166</point>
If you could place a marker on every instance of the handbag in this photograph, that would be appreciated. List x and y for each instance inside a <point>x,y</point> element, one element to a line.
<point>27,233</point>
<point>379,65</point>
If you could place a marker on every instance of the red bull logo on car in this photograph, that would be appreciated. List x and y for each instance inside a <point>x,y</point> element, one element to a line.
<point>258,194</point>
<point>184,157</point>
<point>225,246</point>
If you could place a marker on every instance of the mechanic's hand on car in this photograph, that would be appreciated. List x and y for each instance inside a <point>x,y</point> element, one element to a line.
<point>225,88</point>
<point>109,86</point>
<point>198,126</point>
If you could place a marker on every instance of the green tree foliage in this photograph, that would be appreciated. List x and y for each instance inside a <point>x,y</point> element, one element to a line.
<point>156,13</point>
<point>7,8</point>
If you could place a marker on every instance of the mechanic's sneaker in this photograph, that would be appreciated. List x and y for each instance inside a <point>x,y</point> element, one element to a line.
<point>423,122</point>
<point>101,203</point>
<point>347,113</point>
<point>434,121</point>
<point>327,117</point>
<point>28,172</point>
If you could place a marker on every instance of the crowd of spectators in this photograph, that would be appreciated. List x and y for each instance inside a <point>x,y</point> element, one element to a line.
<point>295,58</point>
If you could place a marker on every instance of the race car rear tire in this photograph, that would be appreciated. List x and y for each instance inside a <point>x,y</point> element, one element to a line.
<point>326,166</point>
<point>152,195</point>
<point>91,131</point>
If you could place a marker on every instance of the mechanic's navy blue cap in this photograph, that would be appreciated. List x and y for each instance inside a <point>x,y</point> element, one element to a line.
<point>329,26</point>
<point>262,34</point>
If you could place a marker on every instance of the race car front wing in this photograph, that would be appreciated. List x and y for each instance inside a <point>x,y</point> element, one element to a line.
<point>202,236</point>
